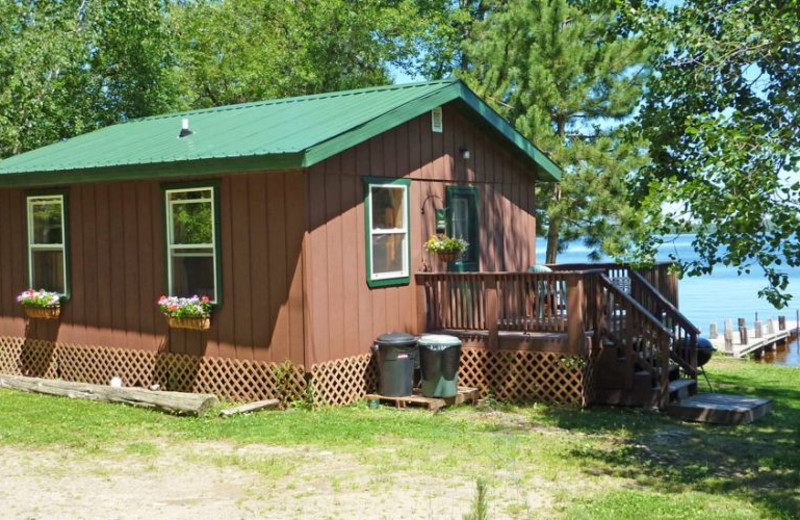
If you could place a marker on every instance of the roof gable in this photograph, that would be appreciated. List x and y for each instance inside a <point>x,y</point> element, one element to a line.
<point>268,135</point>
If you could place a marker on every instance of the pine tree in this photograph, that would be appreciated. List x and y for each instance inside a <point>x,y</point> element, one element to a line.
<point>568,77</point>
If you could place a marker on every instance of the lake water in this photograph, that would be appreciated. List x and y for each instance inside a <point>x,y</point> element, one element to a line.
<point>716,297</point>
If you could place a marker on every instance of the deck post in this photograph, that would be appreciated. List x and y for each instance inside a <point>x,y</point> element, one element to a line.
<point>576,327</point>
<point>492,316</point>
<point>422,309</point>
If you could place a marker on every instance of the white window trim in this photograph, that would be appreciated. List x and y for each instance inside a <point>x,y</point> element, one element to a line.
<point>405,272</point>
<point>29,202</point>
<point>177,247</point>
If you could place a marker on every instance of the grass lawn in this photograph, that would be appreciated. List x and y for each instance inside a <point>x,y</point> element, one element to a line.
<point>538,461</point>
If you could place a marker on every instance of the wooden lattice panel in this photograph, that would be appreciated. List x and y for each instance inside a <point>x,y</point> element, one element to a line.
<point>98,365</point>
<point>27,357</point>
<point>238,380</point>
<point>343,381</point>
<point>524,376</point>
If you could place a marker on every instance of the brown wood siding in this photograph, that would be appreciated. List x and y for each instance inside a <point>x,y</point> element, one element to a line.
<point>344,314</point>
<point>117,272</point>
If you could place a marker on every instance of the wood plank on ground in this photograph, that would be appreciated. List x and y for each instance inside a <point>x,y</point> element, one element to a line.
<point>251,407</point>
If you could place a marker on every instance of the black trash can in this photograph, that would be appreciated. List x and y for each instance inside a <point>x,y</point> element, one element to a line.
<point>439,358</point>
<point>396,352</point>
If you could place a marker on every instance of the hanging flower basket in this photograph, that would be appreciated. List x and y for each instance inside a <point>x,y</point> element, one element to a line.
<point>41,304</point>
<point>186,313</point>
<point>446,248</point>
<point>43,313</point>
<point>447,257</point>
<point>199,323</point>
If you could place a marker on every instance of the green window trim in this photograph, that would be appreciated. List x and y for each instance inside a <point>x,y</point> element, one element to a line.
<point>402,277</point>
<point>214,186</point>
<point>470,260</point>
<point>61,194</point>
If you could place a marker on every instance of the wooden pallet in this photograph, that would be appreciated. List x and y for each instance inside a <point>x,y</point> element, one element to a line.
<point>465,395</point>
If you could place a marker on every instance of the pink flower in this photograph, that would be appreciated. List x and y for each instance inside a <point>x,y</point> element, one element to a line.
<point>205,299</point>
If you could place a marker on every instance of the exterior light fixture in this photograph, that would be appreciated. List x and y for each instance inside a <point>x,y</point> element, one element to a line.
<point>465,154</point>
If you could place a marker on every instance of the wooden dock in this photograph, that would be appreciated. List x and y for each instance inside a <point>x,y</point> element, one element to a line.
<point>742,341</point>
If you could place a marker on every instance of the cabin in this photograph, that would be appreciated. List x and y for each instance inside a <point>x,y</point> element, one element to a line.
<point>303,220</point>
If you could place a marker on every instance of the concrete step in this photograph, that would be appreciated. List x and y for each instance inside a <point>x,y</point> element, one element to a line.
<point>681,389</point>
<point>720,408</point>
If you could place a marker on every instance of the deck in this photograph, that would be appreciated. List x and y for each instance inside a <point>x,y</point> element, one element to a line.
<point>623,323</point>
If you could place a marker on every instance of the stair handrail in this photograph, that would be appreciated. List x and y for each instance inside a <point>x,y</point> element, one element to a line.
<point>676,313</point>
<point>687,362</point>
<point>664,338</point>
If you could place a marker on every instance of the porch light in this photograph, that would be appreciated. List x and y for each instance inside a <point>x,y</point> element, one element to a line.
<point>465,154</point>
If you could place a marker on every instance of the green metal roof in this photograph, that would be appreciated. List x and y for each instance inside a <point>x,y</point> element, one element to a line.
<point>268,135</point>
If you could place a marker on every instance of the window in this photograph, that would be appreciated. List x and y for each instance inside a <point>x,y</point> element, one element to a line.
<point>192,242</point>
<point>47,243</point>
<point>462,222</point>
<point>387,232</point>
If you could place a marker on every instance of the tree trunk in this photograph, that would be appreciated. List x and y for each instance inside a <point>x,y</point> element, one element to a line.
<point>552,231</point>
<point>555,221</point>
<point>552,241</point>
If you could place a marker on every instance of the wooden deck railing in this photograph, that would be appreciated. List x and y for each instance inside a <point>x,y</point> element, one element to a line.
<point>683,348</point>
<point>562,302</point>
<point>660,275</point>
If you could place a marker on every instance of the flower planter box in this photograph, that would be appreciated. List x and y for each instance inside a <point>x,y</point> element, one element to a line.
<point>198,323</point>
<point>42,313</point>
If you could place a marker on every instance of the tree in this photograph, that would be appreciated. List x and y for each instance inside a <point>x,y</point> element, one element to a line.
<point>567,76</point>
<point>71,66</point>
<point>245,50</point>
<point>722,116</point>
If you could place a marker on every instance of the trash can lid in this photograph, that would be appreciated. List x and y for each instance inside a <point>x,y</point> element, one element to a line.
<point>396,338</point>
<point>439,340</point>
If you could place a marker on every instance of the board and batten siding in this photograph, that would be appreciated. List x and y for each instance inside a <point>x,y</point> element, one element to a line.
<point>344,314</point>
<point>118,269</point>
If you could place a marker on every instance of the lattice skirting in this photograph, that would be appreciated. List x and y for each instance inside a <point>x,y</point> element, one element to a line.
<point>27,357</point>
<point>526,376</point>
<point>520,376</point>
<point>343,381</point>
<point>509,375</point>
<point>237,380</point>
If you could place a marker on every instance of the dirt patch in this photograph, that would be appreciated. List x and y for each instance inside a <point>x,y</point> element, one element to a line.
<point>218,480</point>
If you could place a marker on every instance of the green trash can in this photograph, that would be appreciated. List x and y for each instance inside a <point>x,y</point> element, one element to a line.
<point>396,352</point>
<point>439,356</point>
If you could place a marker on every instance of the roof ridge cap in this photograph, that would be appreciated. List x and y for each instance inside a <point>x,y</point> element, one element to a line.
<point>294,99</point>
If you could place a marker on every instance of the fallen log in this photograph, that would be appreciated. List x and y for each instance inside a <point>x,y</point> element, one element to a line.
<point>251,407</point>
<point>174,402</point>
